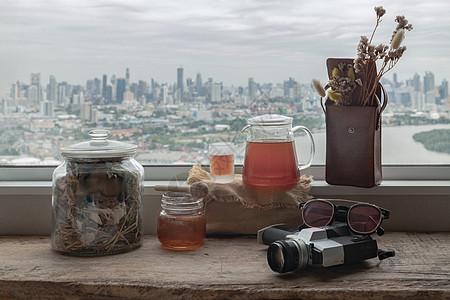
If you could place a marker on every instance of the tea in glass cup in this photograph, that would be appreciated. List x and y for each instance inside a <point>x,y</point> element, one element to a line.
<point>221,157</point>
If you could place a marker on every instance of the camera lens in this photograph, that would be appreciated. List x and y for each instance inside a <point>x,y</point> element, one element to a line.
<point>286,256</point>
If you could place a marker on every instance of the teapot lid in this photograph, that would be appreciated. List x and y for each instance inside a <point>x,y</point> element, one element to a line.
<point>99,147</point>
<point>270,120</point>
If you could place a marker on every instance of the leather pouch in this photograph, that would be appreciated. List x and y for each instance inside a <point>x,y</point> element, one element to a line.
<point>353,142</point>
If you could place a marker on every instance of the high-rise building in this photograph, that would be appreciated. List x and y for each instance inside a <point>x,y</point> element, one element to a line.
<point>52,89</point>
<point>395,79</point>
<point>105,91</point>
<point>180,85</point>
<point>251,88</point>
<point>47,109</point>
<point>198,84</point>
<point>104,81</point>
<point>15,90</point>
<point>165,94</point>
<point>114,87</point>
<point>33,98</point>
<point>85,111</point>
<point>36,81</point>
<point>141,89</point>
<point>428,82</point>
<point>108,93</point>
<point>61,94</point>
<point>4,107</point>
<point>216,92</point>
<point>90,87</point>
<point>416,83</point>
<point>127,75</point>
<point>121,88</point>
<point>443,90</point>
<point>417,101</point>
<point>97,84</point>
<point>288,87</point>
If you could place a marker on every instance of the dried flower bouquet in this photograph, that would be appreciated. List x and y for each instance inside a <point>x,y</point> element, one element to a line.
<point>99,208</point>
<point>356,83</point>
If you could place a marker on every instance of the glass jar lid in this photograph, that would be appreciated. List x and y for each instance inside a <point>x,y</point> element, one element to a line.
<point>99,147</point>
<point>270,120</point>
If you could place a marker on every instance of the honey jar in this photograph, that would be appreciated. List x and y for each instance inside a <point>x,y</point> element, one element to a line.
<point>182,222</point>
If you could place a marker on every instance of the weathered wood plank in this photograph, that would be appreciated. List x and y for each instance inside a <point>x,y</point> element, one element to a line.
<point>234,268</point>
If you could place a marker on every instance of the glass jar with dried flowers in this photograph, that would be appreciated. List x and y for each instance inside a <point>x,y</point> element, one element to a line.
<point>97,198</point>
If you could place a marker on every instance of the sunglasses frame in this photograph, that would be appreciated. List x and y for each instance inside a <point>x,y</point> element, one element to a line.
<point>338,211</point>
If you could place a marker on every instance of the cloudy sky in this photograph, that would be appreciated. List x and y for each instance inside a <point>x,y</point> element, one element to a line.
<point>228,40</point>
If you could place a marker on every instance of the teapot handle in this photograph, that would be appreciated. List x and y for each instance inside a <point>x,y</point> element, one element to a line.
<point>313,146</point>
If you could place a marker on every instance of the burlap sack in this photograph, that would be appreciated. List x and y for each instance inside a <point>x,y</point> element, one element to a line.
<point>240,209</point>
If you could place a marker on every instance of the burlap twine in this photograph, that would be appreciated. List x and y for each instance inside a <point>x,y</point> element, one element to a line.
<point>237,208</point>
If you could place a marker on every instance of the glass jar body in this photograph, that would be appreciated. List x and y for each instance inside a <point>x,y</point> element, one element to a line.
<point>97,206</point>
<point>182,222</point>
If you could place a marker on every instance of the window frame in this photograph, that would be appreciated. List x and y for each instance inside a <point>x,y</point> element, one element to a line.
<point>179,173</point>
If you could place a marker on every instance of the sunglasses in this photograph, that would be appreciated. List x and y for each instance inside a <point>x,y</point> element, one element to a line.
<point>361,218</point>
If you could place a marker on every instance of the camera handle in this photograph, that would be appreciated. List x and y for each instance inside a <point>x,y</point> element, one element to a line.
<point>270,234</point>
<point>382,254</point>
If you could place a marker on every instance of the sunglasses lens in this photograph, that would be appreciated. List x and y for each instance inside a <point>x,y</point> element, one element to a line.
<point>364,218</point>
<point>317,213</point>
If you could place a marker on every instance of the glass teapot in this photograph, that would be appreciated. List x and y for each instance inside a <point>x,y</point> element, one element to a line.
<point>270,155</point>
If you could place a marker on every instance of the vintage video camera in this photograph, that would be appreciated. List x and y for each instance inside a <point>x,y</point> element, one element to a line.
<point>324,246</point>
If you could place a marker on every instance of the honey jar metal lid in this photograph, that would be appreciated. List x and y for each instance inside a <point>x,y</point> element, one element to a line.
<point>99,147</point>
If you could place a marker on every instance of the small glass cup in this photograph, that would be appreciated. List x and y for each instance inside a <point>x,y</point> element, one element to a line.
<point>221,157</point>
<point>182,222</point>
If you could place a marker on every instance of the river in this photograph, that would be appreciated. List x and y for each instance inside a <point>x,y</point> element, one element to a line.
<point>398,146</point>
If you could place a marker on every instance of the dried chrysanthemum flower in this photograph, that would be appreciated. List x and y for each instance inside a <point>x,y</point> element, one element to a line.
<point>368,54</point>
<point>380,11</point>
<point>398,38</point>
<point>318,87</point>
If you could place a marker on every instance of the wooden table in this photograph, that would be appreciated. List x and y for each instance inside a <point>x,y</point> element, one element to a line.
<point>225,268</point>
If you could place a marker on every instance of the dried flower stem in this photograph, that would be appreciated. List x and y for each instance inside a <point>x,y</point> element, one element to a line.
<point>368,54</point>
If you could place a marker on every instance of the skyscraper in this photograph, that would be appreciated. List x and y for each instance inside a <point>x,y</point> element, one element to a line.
<point>179,91</point>
<point>33,98</point>
<point>36,81</point>
<point>428,82</point>
<point>141,89</point>
<point>198,83</point>
<point>52,89</point>
<point>127,75</point>
<point>104,87</point>
<point>251,88</point>
<point>121,88</point>
<point>443,89</point>
<point>416,82</point>
<point>104,81</point>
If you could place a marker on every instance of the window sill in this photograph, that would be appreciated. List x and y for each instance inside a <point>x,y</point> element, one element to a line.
<point>415,205</point>
<point>319,188</point>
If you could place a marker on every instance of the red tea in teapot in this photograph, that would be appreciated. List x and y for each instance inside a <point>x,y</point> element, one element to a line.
<point>270,164</point>
<point>270,156</point>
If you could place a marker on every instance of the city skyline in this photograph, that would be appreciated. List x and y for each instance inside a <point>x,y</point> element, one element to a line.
<point>123,81</point>
<point>228,41</point>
